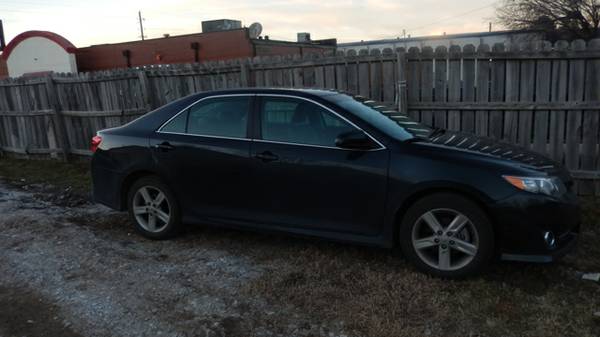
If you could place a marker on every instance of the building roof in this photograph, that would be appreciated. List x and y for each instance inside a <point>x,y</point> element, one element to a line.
<point>437,37</point>
<point>61,41</point>
<point>161,38</point>
<point>315,43</point>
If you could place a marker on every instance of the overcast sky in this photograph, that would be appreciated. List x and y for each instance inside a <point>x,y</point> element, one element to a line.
<point>87,22</point>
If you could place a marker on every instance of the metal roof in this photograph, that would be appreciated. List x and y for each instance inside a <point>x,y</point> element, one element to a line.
<point>437,37</point>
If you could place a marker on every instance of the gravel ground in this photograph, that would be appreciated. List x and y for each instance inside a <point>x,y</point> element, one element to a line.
<point>80,271</point>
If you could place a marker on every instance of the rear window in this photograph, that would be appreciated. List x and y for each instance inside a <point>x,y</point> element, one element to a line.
<point>219,116</point>
<point>225,117</point>
<point>177,124</point>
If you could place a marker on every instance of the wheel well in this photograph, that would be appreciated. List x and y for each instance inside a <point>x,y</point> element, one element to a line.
<point>129,180</point>
<point>408,202</point>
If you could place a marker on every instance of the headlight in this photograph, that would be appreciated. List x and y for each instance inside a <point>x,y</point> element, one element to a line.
<point>549,186</point>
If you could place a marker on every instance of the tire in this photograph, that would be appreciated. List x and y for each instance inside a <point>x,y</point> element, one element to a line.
<point>462,245</point>
<point>153,209</point>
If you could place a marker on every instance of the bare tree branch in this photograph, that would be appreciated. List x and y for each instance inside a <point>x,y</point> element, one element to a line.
<point>561,18</point>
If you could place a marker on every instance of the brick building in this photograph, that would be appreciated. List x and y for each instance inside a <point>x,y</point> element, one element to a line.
<point>38,52</point>
<point>210,46</point>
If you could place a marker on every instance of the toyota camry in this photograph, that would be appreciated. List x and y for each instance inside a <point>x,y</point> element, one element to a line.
<point>332,165</point>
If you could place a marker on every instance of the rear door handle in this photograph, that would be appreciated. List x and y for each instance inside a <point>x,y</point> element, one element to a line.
<point>164,146</point>
<point>267,156</point>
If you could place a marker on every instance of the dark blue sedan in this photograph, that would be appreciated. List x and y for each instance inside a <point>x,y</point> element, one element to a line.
<point>331,165</point>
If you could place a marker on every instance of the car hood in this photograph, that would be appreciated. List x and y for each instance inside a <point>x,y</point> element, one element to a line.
<point>493,148</point>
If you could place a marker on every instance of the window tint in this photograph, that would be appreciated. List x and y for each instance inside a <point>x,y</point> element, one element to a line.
<point>298,121</point>
<point>371,114</point>
<point>176,124</point>
<point>226,117</point>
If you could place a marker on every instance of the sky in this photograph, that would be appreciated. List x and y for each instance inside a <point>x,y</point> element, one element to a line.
<point>87,22</point>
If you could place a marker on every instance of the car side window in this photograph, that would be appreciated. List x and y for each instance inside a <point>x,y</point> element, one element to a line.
<point>293,120</point>
<point>224,116</point>
<point>177,124</point>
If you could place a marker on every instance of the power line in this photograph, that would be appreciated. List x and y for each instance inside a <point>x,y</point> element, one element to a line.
<point>454,16</point>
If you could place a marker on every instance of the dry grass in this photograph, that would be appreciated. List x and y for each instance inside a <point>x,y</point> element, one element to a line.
<point>372,292</point>
<point>74,175</point>
<point>377,294</point>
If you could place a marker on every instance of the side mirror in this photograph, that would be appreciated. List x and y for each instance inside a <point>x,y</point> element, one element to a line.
<point>354,140</point>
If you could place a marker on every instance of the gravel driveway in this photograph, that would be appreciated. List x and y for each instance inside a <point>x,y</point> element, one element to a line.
<point>81,271</point>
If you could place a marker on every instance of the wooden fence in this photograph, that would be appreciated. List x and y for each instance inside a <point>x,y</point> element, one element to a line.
<point>542,96</point>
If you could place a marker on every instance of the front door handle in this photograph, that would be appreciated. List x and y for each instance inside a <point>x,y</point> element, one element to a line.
<point>164,146</point>
<point>267,156</point>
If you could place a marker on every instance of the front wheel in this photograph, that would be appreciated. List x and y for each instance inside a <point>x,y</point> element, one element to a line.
<point>447,235</point>
<point>153,209</point>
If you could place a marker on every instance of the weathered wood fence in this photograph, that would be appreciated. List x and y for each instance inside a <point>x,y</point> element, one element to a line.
<point>542,96</point>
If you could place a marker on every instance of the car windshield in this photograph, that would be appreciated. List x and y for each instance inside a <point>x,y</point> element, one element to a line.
<point>385,117</point>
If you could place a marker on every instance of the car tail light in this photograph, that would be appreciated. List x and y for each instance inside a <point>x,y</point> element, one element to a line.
<point>96,140</point>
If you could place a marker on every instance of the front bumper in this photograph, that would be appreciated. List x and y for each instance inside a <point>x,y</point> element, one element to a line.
<point>524,218</point>
<point>568,244</point>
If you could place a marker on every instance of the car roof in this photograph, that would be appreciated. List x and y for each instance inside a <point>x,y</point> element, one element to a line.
<point>158,116</point>
<point>279,91</point>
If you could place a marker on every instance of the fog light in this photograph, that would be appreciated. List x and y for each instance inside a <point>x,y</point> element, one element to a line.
<point>550,239</point>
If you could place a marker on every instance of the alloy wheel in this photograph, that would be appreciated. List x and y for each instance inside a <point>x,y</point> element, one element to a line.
<point>151,209</point>
<point>445,239</point>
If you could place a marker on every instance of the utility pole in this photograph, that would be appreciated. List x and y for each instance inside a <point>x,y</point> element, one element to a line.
<point>141,24</point>
<point>490,27</point>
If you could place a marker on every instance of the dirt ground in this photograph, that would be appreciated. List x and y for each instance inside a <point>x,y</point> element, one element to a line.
<point>71,268</point>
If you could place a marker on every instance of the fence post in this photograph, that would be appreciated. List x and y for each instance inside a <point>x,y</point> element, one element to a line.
<point>401,95</point>
<point>59,122</point>
<point>245,74</point>
<point>145,86</point>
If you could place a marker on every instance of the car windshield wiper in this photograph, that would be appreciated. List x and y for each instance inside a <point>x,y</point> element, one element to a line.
<point>436,132</point>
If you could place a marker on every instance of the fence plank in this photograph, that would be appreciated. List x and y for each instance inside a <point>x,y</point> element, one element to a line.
<point>427,84</point>
<point>558,94</point>
<point>308,75</point>
<point>482,117</point>
<point>454,86</point>
<point>497,90</point>
<point>542,94</point>
<point>375,81</point>
<point>329,77</point>
<point>469,90</point>
<point>388,81</point>
<point>60,130</point>
<point>413,91</point>
<point>441,80</point>
<point>401,86</point>
<point>363,79</point>
<point>320,78</point>
<point>341,77</point>
<point>514,85</point>
<point>574,117</point>
<point>527,90</point>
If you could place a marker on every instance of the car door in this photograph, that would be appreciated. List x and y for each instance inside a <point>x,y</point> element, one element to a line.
<point>204,154</point>
<point>302,179</point>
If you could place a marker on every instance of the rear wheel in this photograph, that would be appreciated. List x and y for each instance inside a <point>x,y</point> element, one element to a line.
<point>447,235</point>
<point>153,208</point>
